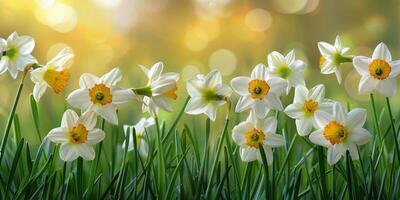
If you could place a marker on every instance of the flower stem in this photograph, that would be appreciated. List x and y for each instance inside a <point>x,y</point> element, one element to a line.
<point>349,176</point>
<point>322,172</point>
<point>268,194</point>
<point>396,142</point>
<point>161,162</point>
<point>11,115</point>
<point>79,177</point>
<point>219,147</point>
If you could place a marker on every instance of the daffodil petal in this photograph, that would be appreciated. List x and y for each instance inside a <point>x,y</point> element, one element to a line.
<point>382,52</point>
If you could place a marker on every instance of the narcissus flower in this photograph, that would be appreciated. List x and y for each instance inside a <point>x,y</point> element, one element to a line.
<point>16,53</point>
<point>378,74</point>
<point>305,104</point>
<point>287,67</point>
<point>77,135</point>
<point>140,129</point>
<point>252,133</point>
<point>207,93</point>
<point>260,92</point>
<point>159,90</point>
<point>340,132</point>
<point>100,95</point>
<point>53,75</point>
<point>332,56</point>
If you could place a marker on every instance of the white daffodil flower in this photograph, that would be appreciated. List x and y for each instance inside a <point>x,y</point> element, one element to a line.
<point>53,75</point>
<point>378,74</point>
<point>253,132</point>
<point>305,104</point>
<point>160,88</point>
<point>260,92</point>
<point>287,67</point>
<point>77,135</point>
<point>332,56</point>
<point>340,132</point>
<point>140,129</point>
<point>16,53</point>
<point>100,95</point>
<point>207,93</point>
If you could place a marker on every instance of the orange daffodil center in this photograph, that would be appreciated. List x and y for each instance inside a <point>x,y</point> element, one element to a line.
<point>310,106</point>
<point>58,80</point>
<point>172,93</point>
<point>379,69</point>
<point>100,94</point>
<point>258,89</point>
<point>254,138</point>
<point>78,134</point>
<point>335,132</point>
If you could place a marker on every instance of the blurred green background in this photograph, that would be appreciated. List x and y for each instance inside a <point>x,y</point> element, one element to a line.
<point>190,37</point>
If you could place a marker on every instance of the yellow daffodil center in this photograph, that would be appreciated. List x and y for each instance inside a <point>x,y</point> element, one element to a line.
<point>57,80</point>
<point>78,134</point>
<point>254,137</point>
<point>321,61</point>
<point>172,93</point>
<point>100,94</point>
<point>379,69</point>
<point>310,106</point>
<point>335,132</point>
<point>284,71</point>
<point>258,89</point>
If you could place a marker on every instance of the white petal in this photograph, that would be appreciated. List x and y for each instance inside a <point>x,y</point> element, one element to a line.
<point>58,135</point>
<point>85,151</point>
<point>196,105</point>
<point>268,154</point>
<point>248,154</point>
<point>244,103</point>
<point>239,132</point>
<point>275,59</point>
<point>121,96</point>
<point>88,119</point>
<point>387,87</point>
<point>328,67</point>
<point>79,99</point>
<point>356,118</point>
<point>37,74</point>
<point>143,148</point>
<point>304,126</point>
<point>335,153</point>
<point>317,93</point>
<point>360,136</point>
<point>338,44</point>
<point>275,140</point>
<point>24,60</point>
<point>162,103</point>
<point>39,90</point>
<point>353,151</point>
<point>270,124</point>
<point>61,58</point>
<point>194,87</point>
<point>300,94</point>
<point>25,44</point>
<point>95,136</point>
<point>339,113</point>
<point>338,74</point>
<point>322,118</point>
<point>223,90</point>
<point>277,85</point>
<point>211,111</point>
<point>318,138</point>
<point>68,152</point>
<point>367,84</point>
<point>260,109</point>
<point>88,80</point>
<point>12,69</point>
<point>361,64</point>
<point>294,111</point>
<point>298,66</point>
<point>326,49</point>
<point>213,79</point>
<point>69,119</point>
<point>155,71</point>
<point>240,85</point>
<point>326,105</point>
<point>290,57</point>
<point>274,102</point>
<point>3,64</point>
<point>259,72</point>
<point>108,113</point>
<point>112,77</point>
<point>382,52</point>
<point>395,65</point>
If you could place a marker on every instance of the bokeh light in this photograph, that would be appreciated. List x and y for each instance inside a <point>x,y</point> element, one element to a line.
<point>223,60</point>
<point>258,20</point>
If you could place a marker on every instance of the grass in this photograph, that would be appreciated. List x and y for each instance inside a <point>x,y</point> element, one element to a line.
<point>200,161</point>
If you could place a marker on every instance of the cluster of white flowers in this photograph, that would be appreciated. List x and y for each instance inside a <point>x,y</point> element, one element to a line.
<point>325,121</point>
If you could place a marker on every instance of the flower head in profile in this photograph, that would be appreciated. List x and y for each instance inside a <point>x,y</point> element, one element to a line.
<point>340,132</point>
<point>252,133</point>
<point>305,104</point>
<point>159,90</point>
<point>378,74</point>
<point>16,53</point>
<point>206,94</point>
<point>260,92</point>
<point>287,67</point>
<point>140,130</point>
<point>332,56</point>
<point>100,95</point>
<point>77,135</point>
<point>53,75</point>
